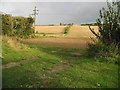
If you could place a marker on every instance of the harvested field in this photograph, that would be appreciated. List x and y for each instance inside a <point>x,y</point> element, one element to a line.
<point>75,31</point>
<point>61,42</point>
<point>49,29</point>
<point>81,31</point>
<point>78,37</point>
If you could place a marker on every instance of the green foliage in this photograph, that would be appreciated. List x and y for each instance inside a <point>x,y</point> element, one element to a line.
<point>7,25</point>
<point>108,53</point>
<point>18,26</point>
<point>109,24</point>
<point>108,35</point>
<point>23,26</point>
<point>67,29</point>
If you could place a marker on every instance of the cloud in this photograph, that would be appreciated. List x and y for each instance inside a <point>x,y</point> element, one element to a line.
<point>56,12</point>
<point>14,8</point>
<point>55,0</point>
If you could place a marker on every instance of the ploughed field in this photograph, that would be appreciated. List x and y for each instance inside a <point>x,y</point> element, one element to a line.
<point>77,36</point>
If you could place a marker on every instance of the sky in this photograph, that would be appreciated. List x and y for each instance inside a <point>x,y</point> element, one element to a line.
<point>56,12</point>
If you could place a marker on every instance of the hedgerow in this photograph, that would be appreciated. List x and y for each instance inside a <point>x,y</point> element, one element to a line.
<point>17,26</point>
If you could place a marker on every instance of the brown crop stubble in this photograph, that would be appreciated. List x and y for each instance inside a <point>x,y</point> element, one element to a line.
<point>78,37</point>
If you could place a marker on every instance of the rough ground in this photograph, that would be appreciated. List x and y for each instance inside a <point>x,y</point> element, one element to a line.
<point>62,42</point>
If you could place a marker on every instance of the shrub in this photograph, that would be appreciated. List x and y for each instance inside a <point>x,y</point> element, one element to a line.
<point>67,29</point>
<point>108,34</point>
<point>108,53</point>
<point>109,24</point>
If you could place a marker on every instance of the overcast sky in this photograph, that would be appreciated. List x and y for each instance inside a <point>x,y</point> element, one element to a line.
<point>56,12</point>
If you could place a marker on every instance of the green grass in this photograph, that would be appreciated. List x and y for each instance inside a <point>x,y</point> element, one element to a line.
<point>82,71</point>
<point>87,74</point>
<point>13,55</point>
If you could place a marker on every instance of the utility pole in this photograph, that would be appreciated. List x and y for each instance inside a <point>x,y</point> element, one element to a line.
<point>35,14</point>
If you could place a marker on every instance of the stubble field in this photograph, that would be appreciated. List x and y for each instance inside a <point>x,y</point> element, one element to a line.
<point>77,37</point>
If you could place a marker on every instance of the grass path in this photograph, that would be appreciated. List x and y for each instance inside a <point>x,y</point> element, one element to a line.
<point>55,67</point>
<point>14,64</point>
<point>59,67</point>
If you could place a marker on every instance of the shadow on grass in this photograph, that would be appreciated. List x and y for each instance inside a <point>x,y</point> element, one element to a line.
<point>63,53</point>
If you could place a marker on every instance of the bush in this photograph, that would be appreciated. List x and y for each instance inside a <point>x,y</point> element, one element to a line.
<point>109,24</point>
<point>108,34</point>
<point>108,53</point>
<point>67,29</point>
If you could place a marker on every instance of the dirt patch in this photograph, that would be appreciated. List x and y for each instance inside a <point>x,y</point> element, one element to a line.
<point>59,67</point>
<point>14,64</point>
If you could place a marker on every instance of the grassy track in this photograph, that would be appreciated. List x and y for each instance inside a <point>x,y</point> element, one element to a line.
<point>55,67</point>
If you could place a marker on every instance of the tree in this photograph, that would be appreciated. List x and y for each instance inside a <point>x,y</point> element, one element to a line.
<point>60,24</point>
<point>109,24</point>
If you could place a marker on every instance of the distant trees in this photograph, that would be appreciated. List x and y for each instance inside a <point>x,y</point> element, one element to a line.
<point>62,24</point>
<point>91,24</point>
<point>20,26</point>
<point>109,24</point>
